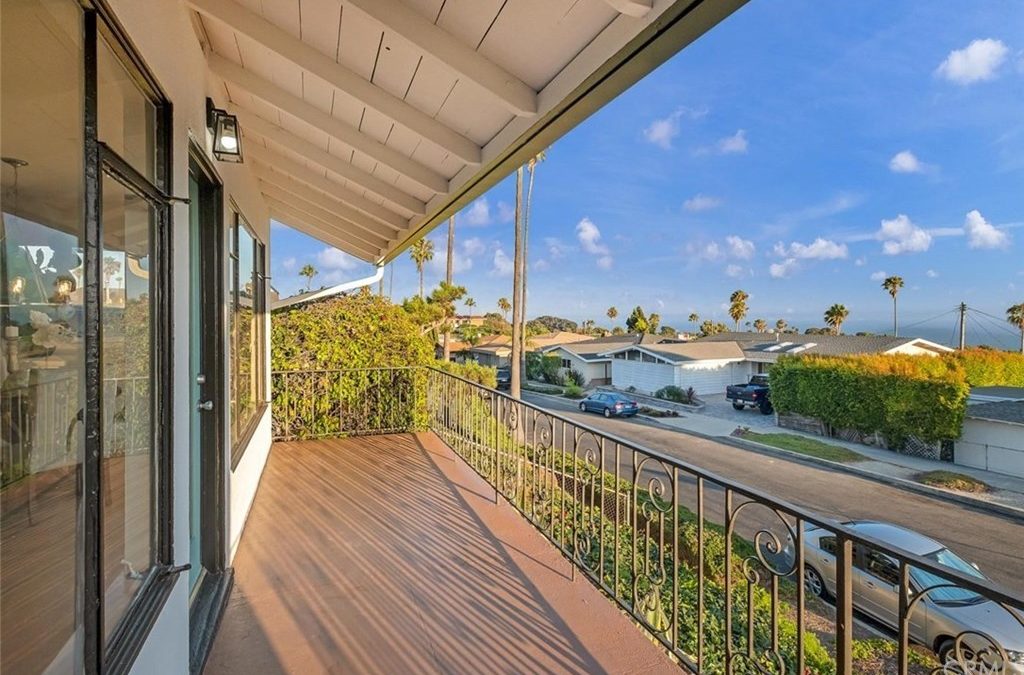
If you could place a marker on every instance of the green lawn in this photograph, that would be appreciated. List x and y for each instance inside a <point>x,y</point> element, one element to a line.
<point>952,481</point>
<point>805,446</point>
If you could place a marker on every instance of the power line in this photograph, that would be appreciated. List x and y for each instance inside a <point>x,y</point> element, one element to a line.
<point>995,340</point>
<point>939,316</point>
<point>998,322</point>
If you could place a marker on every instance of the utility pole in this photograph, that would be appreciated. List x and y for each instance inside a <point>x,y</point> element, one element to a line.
<point>517,297</point>
<point>963,325</point>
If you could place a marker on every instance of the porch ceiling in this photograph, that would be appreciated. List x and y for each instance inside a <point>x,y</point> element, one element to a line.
<point>407,110</point>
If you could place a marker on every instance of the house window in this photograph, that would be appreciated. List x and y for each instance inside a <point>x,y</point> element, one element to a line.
<point>247,291</point>
<point>85,320</point>
<point>619,355</point>
<point>566,363</point>
<point>647,358</point>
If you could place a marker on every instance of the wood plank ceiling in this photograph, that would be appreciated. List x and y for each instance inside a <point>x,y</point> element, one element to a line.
<point>367,122</point>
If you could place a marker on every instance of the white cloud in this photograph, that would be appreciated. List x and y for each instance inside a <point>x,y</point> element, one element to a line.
<point>931,274</point>
<point>783,269</point>
<point>478,214</point>
<point>982,234</point>
<point>701,202</point>
<point>819,249</point>
<point>556,249</point>
<point>333,259</point>
<point>661,132</point>
<point>735,144</point>
<point>462,256</point>
<point>506,212</point>
<point>735,271</point>
<point>541,265</point>
<point>473,246</point>
<point>502,264</point>
<point>879,276</point>
<point>906,162</point>
<point>901,235</point>
<point>740,248</point>
<point>977,62</point>
<point>289,264</point>
<point>860,262</point>
<point>710,251</point>
<point>590,241</point>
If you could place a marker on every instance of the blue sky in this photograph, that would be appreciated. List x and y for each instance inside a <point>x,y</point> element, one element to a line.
<point>801,151</point>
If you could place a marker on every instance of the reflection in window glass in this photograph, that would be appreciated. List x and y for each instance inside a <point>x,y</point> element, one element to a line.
<point>127,466</point>
<point>127,117</point>
<point>41,349</point>
<point>247,330</point>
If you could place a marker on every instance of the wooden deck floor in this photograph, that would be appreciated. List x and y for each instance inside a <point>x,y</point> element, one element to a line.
<point>387,554</point>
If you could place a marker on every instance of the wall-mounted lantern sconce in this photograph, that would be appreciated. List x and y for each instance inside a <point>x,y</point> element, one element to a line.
<point>227,140</point>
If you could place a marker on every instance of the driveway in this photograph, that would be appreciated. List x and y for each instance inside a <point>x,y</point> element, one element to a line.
<point>716,406</point>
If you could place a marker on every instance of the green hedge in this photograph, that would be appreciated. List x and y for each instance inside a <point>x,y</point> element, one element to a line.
<point>896,395</point>
<point>470,370</point>
<point>990,368</point>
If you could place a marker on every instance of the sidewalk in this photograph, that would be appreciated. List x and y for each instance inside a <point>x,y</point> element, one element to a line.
<point>1006,494</point>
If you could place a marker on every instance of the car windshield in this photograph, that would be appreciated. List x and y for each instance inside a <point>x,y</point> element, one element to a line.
<point>618,398</point>
<point>947,596</point>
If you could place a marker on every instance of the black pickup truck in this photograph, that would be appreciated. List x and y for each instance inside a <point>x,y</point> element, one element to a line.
<point>755,394</point>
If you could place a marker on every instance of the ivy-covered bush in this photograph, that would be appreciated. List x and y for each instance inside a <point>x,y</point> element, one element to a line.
<point>470,370</point>
<point>990,368</point>
<point>898,396</point>
<point>345,365</point>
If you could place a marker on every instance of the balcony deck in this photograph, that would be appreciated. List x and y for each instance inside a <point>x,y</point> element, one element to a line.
<point>387,554</point>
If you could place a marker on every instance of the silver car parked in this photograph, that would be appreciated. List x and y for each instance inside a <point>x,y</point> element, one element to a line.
<point>939,617</point>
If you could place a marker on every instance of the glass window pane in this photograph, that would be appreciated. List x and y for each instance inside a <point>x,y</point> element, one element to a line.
<point>127,117</point>
<point>127,465</point>
<point>247,331</point>
<point>41,349</point>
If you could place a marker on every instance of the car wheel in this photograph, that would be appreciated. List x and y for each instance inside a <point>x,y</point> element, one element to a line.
<point>946,651</point>
<point>766,408</point>
<point>737,406</point>
<point>813,583</point>
<point>607,412</point>
<point>583,407</point>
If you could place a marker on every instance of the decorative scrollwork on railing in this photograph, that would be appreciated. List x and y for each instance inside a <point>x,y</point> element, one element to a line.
<point>656,519</point>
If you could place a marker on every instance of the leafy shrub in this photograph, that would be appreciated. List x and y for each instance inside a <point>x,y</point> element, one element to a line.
<point>470,370</point>
<point>576,377</point>
<point>544,367</point>
<point>990,368</point>
<point>677,394</point>
<point>573,391</point>
<point>897,395</point>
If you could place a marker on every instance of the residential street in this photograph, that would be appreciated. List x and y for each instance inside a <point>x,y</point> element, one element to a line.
<point>992,541</point>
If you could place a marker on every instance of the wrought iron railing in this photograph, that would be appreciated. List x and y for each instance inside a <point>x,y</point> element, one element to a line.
<point>720,574</point>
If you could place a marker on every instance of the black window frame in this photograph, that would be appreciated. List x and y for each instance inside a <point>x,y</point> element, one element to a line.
<point>259,308</point>
<point>117,654</point>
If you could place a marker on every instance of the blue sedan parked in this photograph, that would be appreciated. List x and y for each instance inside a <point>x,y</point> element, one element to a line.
<point>610,405</point>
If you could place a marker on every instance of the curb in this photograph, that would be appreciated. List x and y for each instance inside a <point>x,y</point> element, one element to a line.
<point>979,504</point>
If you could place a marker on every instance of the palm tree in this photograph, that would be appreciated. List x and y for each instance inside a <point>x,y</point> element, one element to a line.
<point>835,316</point>
<point>1015,315</point>
<point>531,166</point>
<point>505,306</point>
<point>738,306</point>
<point>760,325</point>
<point>612,313</point>
<point>421,253</point>
<point>309,272</point>
<point>780,325</point>
<point>446,349</point>
<point>517,294</point>
<point>470,304</point>
<point>695,319</point>
<point>893,285</point>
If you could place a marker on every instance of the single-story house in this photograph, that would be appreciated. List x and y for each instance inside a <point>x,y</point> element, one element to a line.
<point>590,358</point>
<point>492,350</point>
<point>539,343</point>
<point>993,438</point>
<point>707,367</point>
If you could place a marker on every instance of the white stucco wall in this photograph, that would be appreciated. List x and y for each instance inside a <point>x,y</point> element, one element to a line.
<point>994,446</point>
<point>646,377</point>
<point>712,376</point>
<point>589,369</point>
<point>162,33</point>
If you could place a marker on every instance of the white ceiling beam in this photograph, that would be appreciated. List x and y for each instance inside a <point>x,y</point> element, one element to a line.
<point>375,241</point>
<point>281,164</point>
<point>462,60</point>
<point>322,66</point>
<point>634,8</point>
<point>329,204</point>
<point>343,168</point>
<point>330,125</point>
<point>308,224</point>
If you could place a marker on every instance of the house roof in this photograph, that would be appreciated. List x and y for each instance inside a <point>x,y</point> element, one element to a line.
<point>560,337</point>
<point>681,352</point>
<point>595,349</point>
<point>492,344</point>
<point>1010,412</point>
<point>770,346</point>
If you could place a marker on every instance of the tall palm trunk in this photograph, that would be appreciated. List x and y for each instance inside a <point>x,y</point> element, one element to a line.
<point>895,322</point>
<point>517,295</point>
<point>526,263</point>
<point>448,277</point>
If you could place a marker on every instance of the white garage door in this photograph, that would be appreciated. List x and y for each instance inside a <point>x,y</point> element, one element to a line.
<point>709,377</point>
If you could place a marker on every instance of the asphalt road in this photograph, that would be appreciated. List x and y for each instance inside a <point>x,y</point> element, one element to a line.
<point>994,542</point>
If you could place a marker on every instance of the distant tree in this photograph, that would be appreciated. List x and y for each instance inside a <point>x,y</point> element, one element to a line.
<point>618,330</point>
<point>668,331</point>
<point>653,322</point>
<point>421,253</point>
<point>1015,315</point>
<point>738,306</point>
<point>470,304</point>
<point>587,326</point>
<point>694,318</point>
<point>892,285</point>
<point>551,324</point>
<point>760,325</point>
<point>637,321</point>
<point>709,327</point>
<point>835,316</point>
<point>780,325</point>
<point>309,272</point>
<point>505,306</point>
<point>444,297</point>
<point>612,314</point>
